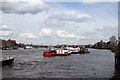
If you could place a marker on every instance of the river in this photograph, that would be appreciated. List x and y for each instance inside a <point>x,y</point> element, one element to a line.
<point>30,63</point>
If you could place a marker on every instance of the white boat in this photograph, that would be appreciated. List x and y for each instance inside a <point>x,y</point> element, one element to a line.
<point>73,50</point>
<point>28,47</point>
<point>62,52</point>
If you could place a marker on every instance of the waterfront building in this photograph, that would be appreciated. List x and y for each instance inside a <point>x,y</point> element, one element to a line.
<point>113,39</point>
<point>8,44</point>
<point>11,43</point>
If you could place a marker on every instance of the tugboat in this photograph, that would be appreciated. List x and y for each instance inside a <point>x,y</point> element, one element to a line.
<point>49,53</point>
<point>6,61</point>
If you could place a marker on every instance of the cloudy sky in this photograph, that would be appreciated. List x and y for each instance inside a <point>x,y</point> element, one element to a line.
<point>43,22</point>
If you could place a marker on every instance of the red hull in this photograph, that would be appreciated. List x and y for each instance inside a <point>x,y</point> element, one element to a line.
<point>62,54</point>
<point>49,53</point>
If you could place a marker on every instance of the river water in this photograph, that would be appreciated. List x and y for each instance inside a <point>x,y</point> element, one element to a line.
<point>30,63</point>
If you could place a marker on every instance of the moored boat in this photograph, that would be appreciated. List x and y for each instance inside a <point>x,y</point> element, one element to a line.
<point>6,61</point>
<point>28,47</point>
<point>87,51</point>
<point>84,50</point>
<point>74,50</point>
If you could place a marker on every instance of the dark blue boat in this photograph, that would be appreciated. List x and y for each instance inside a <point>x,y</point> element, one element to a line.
<point>84,50</point>
<point>6,61</point>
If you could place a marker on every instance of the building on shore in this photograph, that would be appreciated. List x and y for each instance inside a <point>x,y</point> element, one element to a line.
<point>113,42</point>
<point>113,39</point>
<point>8,44</point>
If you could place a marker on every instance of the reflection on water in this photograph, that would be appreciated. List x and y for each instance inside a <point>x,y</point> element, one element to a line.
<point>31,64</point>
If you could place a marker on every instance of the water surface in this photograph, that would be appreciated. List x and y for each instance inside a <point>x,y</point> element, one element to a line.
<point>30,63</point>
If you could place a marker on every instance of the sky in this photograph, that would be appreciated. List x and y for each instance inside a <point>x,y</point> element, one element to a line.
<point>43,22</point>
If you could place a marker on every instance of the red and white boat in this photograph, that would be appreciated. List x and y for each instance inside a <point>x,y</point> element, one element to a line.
<point>49,53</point>
<point>56,52</point>
<point>62,52</point>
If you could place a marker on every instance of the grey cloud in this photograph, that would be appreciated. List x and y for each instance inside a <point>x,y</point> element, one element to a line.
<point>22,7</point>
<point>95,31</point>
<point>103,32</point>
<point>71,16</point>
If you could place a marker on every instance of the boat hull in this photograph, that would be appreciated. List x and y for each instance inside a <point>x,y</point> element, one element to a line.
<point>75,52</point>
<point>63,54</point>
<point>49,53</point>
<point>7,62</point>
